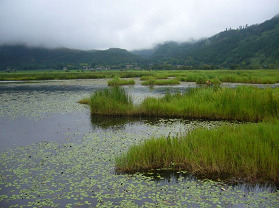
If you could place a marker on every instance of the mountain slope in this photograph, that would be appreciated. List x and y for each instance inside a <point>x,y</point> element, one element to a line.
<point>254,45</point>
<point>22,57</point>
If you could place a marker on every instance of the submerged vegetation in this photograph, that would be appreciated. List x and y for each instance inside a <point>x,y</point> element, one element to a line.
<point>247,151</point>
<point>116,81</point>
<point>242,103</point>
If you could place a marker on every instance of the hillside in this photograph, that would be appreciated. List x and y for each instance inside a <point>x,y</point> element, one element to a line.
<point>245,47</point>
<point>22,57</point>
<point>248,45</point>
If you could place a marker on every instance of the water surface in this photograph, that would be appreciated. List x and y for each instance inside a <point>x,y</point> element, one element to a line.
<point>53,153</point>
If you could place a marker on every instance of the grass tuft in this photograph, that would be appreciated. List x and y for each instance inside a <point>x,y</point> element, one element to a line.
<point>84,101</point>
<point>248,151</point>
<point>116,81</point>
<point>111,101</point>
<point>215,103</point>
<point>153,81</point>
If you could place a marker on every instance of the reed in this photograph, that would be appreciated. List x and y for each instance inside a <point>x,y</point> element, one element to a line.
<point>248,151</point>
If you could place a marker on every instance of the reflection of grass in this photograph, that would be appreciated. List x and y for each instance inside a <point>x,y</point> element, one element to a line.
<point>107,122</point>
<point>242,103</point>
<point>116,81</point>
<point>248,151</point>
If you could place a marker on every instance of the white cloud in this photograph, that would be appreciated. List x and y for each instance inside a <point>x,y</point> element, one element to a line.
<point>94,24</point>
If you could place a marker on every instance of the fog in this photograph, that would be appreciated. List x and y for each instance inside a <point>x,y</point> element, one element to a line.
<point>137,24</point>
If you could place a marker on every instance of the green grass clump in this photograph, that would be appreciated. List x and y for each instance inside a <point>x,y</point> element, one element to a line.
<point>116,81</point>
<point>84,101</point>
<point>248,151</point>
<point>241,103</point>
<point>111,101</point>
<point>152,82</point>
<point>214,103</point>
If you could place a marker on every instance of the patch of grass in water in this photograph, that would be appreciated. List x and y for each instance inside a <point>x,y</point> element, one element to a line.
<point>153,81</point>
<point>111,101</point>
<point>214,103</point>
<point>242,103</point>
<point>116,81</point>
<point>248,151</point>
<point>84,101</point>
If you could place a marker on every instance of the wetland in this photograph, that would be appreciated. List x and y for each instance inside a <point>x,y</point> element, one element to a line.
<point>54,152</point>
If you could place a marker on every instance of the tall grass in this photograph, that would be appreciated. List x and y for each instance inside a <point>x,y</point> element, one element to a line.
<point>241,103</point>
<point>249,151</point>
<point>116,81</point>
<point>111,101</point>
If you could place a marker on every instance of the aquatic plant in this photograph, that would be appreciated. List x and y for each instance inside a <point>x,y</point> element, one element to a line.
<point>153,81</point>
<point>242,76</point>
<point>215,103</point>
<point>116,81</point>
<point>84,101</point>
<point>111,101</point>
<point>242,103</point>
<point>248,151</point>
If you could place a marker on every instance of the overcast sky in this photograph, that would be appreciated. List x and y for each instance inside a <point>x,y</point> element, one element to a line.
<point>129,24</point>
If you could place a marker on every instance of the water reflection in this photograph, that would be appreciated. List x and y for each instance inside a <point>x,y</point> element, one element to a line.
<point>112,122</point>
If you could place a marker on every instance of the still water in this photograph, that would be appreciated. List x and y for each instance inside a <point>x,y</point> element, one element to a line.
<point>53,153</point>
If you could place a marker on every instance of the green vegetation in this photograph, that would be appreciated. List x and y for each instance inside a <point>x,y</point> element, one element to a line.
<point>156,76</point>
<point>116,81</point>
<point>234,76</point>
<point>247,151</point>
<point>242,151</point>
<point>247,47</point>
<point>241,103</point>
<point>84,101</point>
<point>152,82</point>
<point>111,101</point>
<point>26,58</point>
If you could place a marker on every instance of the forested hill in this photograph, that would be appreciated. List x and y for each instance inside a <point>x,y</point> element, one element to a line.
<point>248,45</point>
<point>22,57</point>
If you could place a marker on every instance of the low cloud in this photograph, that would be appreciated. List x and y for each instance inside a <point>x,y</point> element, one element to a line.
<point>126,24</point>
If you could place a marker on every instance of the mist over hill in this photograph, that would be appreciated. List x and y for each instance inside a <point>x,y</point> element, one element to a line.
<point>247,46</point>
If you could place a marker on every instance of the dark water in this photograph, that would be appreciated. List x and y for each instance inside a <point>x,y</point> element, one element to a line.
<point>54,154</point>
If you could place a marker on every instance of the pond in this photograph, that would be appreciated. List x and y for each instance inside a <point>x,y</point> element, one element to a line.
<point>54,154</point>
